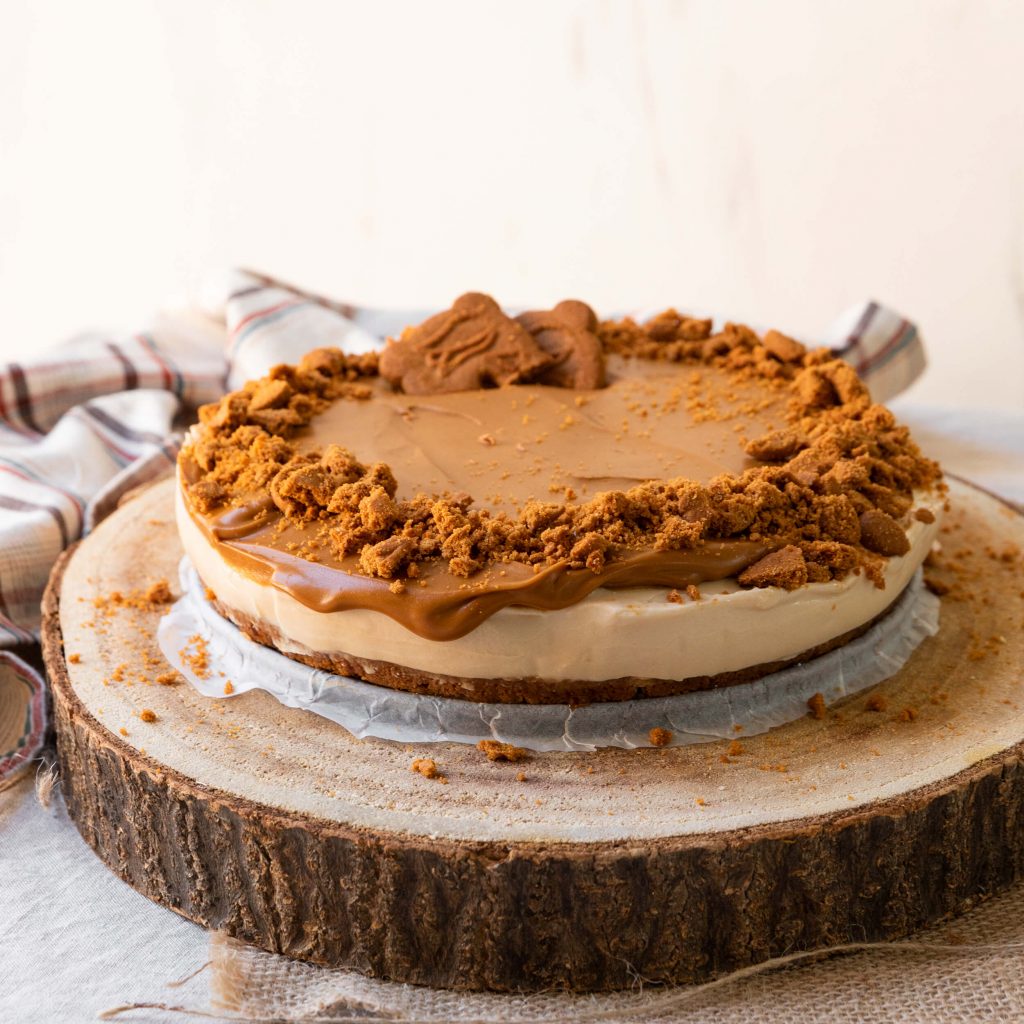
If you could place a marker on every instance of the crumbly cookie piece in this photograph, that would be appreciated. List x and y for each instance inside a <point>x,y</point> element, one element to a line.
<point>498,751</point>
<point>880,533</point>
<point>786,568</point>
<point>776,446</point>
<point>472,345</point>
<point>568,333</point>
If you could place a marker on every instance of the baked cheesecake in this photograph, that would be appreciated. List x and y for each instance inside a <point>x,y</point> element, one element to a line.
<point>552,508</point>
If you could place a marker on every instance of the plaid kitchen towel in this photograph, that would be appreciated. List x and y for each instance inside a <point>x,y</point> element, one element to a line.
<point>97,416</point>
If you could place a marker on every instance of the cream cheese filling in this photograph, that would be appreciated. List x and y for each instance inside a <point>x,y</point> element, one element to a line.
<point>610,634</point>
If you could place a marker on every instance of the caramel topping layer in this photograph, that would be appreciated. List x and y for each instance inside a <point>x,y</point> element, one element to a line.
<point>507,446</point>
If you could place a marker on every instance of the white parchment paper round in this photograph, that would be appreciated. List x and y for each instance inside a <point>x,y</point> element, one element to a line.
<point>367,710</point>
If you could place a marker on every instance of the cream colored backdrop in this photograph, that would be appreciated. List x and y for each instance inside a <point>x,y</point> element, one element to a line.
<point>775,161</point>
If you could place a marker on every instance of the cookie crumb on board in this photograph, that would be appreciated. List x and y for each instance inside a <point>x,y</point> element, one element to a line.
<point>497,751</point>
<point>145,599</point>
<point>735,749</point>
<point>427,767</point>
<point>158,593</point>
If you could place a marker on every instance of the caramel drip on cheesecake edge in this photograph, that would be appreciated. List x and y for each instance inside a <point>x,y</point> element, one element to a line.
<point>442,606</point>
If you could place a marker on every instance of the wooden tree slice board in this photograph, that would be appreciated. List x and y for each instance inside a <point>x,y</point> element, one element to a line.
<point>673,865</point>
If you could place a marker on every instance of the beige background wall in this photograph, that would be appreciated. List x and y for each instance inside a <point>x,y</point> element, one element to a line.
<point>774,161</point>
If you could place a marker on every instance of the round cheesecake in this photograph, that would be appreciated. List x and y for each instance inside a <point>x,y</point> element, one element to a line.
<point>549,508</point>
